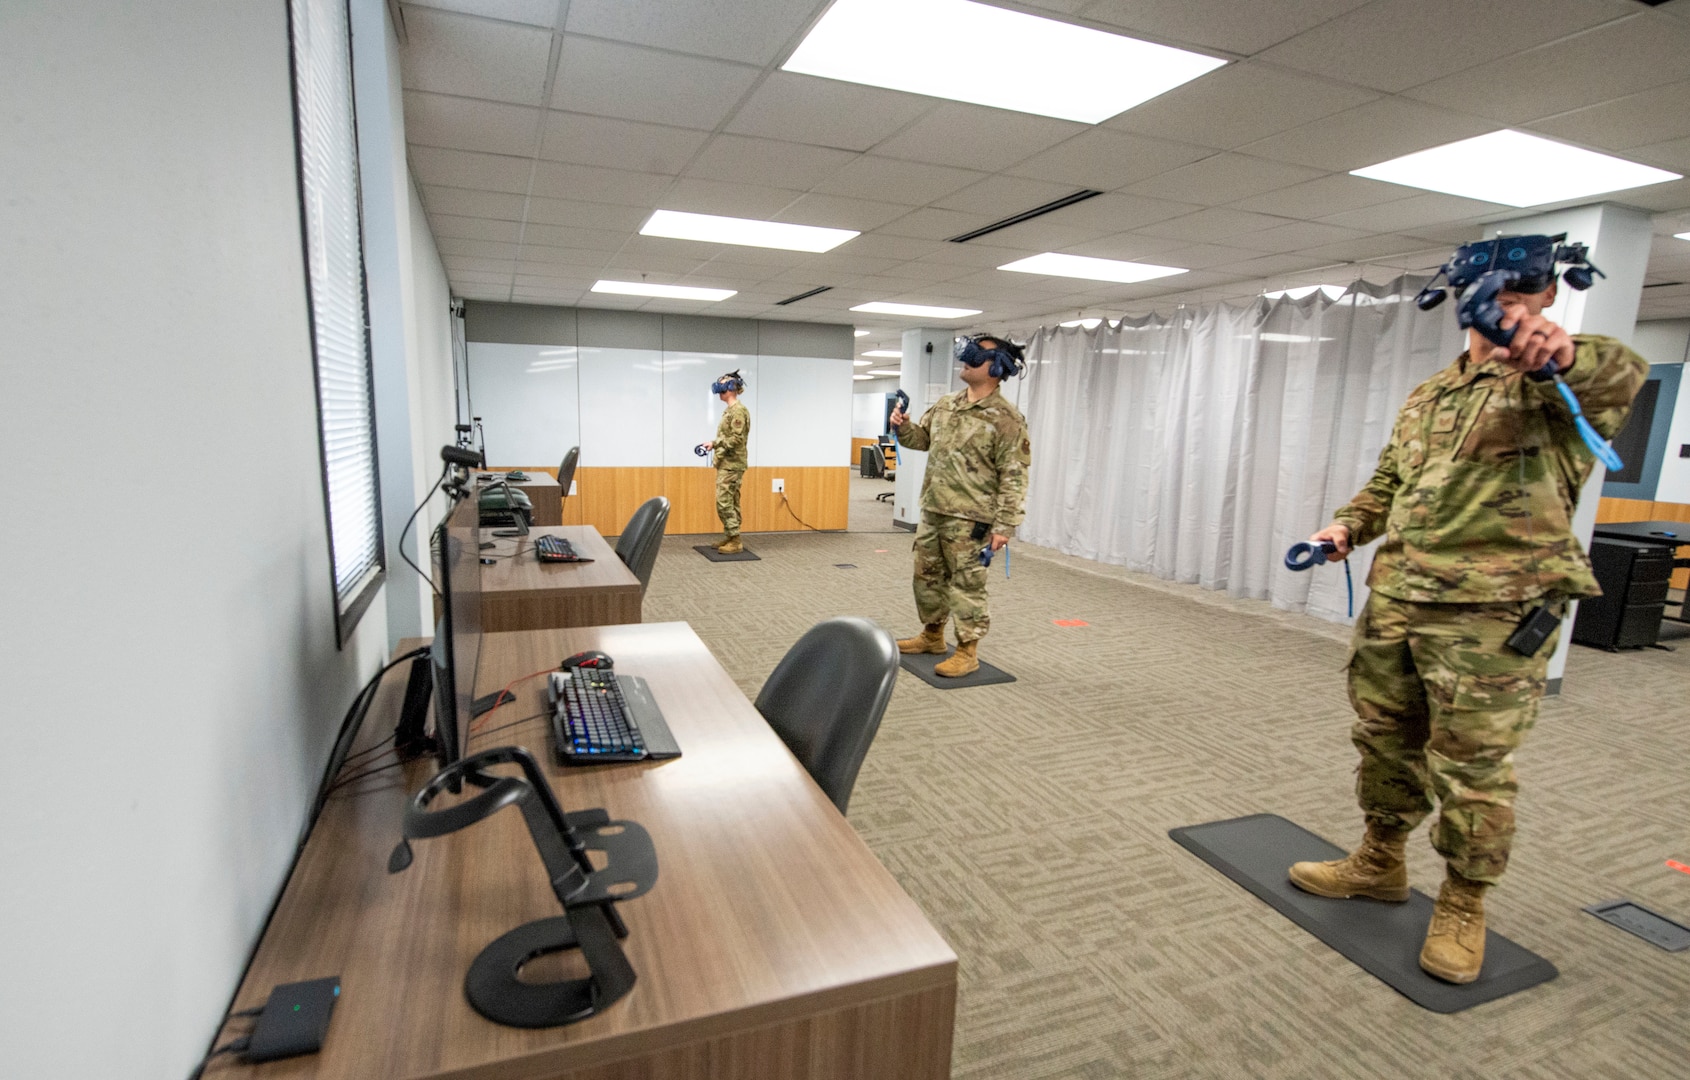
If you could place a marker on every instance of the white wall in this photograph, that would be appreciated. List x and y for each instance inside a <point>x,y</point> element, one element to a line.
<point>169,703</point>
<point>1667,341</point>
<point>410,336</point>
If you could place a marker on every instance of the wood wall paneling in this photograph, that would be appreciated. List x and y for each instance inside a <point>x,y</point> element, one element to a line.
<point>606,498</point>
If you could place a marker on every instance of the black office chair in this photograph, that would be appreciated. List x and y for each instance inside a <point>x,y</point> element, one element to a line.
<point>566,471</point>
<point>878,465</point>
<point>642,536</point>
<point>826,697</point>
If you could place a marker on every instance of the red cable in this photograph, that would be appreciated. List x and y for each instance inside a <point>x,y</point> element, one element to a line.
<point>506,695</point>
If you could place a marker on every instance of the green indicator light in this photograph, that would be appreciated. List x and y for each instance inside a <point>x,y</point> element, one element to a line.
<point>296,1008</point>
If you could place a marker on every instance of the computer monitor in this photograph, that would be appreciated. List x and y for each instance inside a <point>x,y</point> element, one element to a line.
<point>457,635</point>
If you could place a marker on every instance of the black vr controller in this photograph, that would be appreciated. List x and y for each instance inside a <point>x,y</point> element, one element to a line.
<point>701,450</point>
<point>1483,271</point>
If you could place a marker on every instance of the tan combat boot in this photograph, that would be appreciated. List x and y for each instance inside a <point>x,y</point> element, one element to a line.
<point>731,546</point>
<point>1455,942</point>
<point>1377,869</point>
<point>931,640</point>
<point>963,663</point>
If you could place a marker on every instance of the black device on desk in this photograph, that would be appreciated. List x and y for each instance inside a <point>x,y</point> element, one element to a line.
<point>556,549</point>
<point>600,716</point>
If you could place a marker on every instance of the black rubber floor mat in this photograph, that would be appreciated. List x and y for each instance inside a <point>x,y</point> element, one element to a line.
<point>921,665</point>
<point>1382,939</point>
<point>716,556</point>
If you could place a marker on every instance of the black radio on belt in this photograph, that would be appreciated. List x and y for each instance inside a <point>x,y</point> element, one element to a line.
<point>1533,630</point>
<point>981,528</point>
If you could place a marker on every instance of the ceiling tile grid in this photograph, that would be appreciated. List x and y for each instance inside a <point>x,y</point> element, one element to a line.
<point>540,149</point>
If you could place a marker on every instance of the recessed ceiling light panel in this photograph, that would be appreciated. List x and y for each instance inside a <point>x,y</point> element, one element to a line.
<point>1083,266</point>
<point>884,352</point>
<point>714,229</point>
<point>1682,235</point>
<point>884,372</point>
<point>918,311</point>
<point>1515,169</point>
<point>964,51</point>
<point>860,333</point>
<point>668,292</point>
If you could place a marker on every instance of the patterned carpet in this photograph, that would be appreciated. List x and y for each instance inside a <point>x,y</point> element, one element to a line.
<point>1030,822</point>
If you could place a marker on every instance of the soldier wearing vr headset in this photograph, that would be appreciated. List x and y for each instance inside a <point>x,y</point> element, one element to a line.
<point>975,487</point>
<point>729,456</point>
<point>1474,495</point>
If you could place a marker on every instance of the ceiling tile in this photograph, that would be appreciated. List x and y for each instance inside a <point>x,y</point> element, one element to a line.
<point>470,203</point>
<point>470,57</point>
<point>1674,155</point>
<point>932,223</point>
<point>612,79</point>
<point>664,247</point>
<point>1131,246</point>
<point>1240,26</point>
<point>1214,224</point>
<point>457,123</point>
<point>738,158</point>
<point>1002,196</point>
<point>1106,160</point>
<point>481,277</point>
<point>459,168</point>
<point>825,112</point>
<point>1049,232</point>
<point>1427,209</point>
<point>1200,256</point>
<point>699,196</point>
<point>1224,178</point>
<point>879,246</point>
<point>1297,236</point>
<point>558,181</point>
<point>1670,196</point>
<point>586,215</point>
<point>471,228</point>
<point>485,249</point>
<point>618,144</point>
<point>1114,212</point>
<point>475,262</point>
<point>912,182</point>
<point>1238,104</point>
<point>1395,44</point>
<point>1270,265</point>
<point>975,137</point>
<point>533,12</point>
<point>835,212</point>
<point>1326,195</point>
<point>1657,115</point>
<point>1402,252</point>
<point>567,236</point>
<point>1369,134</point>
<point>1621,58</point>
<point>751,31</point>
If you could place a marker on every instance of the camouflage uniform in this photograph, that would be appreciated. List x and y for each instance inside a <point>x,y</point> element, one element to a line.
<point>1474,494</point>
<point>977,458</point>
<point>731,460</point>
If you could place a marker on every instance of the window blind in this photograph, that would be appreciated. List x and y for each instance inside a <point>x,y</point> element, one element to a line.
<point>329,192</point>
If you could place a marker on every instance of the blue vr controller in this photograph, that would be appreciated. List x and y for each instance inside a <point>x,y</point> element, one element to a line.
<point>897,448</point>
<point>1307,556</point>
<point>700,450</point>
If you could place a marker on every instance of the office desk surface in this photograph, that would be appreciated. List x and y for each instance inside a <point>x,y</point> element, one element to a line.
<point>1664,533</point>
<point>773,945</point>
<point>519,592</point>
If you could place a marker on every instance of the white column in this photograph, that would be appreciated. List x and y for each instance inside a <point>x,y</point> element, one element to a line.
<point>928,375</point>
<point>1619,239</point>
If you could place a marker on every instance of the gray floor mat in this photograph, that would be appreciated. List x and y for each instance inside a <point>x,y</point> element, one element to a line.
<point>921,665</point>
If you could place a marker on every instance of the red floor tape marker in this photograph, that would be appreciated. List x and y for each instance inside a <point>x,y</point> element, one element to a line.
<point>1070,622</point>
<point>1680,867</point>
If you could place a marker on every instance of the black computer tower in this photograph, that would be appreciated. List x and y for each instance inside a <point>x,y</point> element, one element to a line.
<point>1634,579</point>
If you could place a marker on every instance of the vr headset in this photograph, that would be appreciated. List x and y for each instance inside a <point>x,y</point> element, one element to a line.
<point>1006,359</point>
<point>733,380</point>
<point>1525,264</point>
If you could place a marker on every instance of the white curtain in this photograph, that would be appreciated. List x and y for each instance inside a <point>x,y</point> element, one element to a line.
<point>1199,446</point>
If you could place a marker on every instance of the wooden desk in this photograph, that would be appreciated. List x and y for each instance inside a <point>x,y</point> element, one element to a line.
<point>546,494</point>
<point>773,946</point>
<point>523,593</point>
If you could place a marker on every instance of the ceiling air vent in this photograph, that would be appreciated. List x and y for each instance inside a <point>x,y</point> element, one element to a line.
<point>803,296</point>
<point>1027,215</point>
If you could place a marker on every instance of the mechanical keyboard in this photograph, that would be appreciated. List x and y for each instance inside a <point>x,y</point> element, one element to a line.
<point>555,549</point>
<point>599,716</point>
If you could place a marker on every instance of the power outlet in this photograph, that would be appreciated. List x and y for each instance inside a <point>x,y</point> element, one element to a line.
<point>780,486</point>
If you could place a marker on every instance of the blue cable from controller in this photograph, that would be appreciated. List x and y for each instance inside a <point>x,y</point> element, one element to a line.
<point>1306,556</point>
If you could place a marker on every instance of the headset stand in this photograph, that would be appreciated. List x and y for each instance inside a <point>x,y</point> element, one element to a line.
<point>589,922</point>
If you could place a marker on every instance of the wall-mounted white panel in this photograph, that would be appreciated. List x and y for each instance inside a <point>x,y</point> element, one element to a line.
<point>805,413</point>
<point>621,408</point>
<point>868,416</point>
<point>691,412</point>
<point>528,399</point>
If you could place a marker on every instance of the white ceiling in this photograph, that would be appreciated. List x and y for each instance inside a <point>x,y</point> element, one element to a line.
<point>543,132</point>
